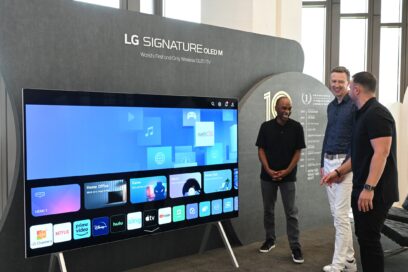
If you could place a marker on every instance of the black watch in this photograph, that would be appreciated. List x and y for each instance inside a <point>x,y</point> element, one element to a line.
<point>368,187</point>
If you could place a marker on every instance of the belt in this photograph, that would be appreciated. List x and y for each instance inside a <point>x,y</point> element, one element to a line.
<point>334,156</point>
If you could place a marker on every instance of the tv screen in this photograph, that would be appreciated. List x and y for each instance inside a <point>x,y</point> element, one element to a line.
<point>101,167</point>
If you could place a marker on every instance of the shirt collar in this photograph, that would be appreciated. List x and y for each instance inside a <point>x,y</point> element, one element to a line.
<point>345,99</point>
<point>277,123</point>
<point>367,104</point>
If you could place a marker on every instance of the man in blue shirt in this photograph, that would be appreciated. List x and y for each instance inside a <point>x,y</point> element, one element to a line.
<point>336,146</point>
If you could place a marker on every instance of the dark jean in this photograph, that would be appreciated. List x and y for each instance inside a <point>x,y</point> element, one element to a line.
<point>288,194</point>
<point>368,227</point>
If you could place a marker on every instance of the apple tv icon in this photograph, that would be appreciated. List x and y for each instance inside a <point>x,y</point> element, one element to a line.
<point>150,218</point>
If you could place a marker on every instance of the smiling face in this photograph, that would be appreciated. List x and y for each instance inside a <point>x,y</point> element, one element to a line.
<point>339,84</point>
<point>283,110</point>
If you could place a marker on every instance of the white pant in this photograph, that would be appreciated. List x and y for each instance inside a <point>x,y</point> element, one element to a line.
<point>339,195</point>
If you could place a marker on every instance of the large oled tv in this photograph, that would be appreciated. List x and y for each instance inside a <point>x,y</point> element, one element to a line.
<point>101,167</point>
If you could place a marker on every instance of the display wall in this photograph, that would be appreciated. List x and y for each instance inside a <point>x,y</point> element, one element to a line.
<point>62,44</point>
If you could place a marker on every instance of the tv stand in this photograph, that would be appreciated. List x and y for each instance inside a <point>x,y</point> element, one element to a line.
<point>61,261</point>
<point>224,239</point>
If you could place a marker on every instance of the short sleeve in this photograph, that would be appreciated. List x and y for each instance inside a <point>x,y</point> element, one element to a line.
<point>380,123</point>
<point>260,141</point>
<point>300,143</point>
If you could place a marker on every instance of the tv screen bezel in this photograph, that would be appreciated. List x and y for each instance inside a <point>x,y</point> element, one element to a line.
<point>63,97</point>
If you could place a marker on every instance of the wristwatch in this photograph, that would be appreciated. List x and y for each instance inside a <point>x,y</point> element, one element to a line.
<point>368,187</point>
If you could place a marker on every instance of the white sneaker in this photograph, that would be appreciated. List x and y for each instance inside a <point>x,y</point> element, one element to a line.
<point>351,266</point>
<point>331,268</point>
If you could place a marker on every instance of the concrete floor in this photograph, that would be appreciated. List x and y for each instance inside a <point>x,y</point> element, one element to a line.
<point>317,249</point>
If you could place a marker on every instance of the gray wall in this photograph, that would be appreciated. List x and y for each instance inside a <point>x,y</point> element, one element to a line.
<point>56,44</point>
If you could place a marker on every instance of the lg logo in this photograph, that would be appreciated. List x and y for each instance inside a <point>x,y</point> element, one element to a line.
<point>132,39</point>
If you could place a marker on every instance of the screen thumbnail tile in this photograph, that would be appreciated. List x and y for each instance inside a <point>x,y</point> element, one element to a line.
<point>188,184</point>
<point>104,194</point>
<point>217,181</point>
<point>59,199</point>
<point>148,189</point>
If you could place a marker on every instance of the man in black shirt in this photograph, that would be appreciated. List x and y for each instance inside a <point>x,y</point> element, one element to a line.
<point>279,142</point>
<point>374,164</point>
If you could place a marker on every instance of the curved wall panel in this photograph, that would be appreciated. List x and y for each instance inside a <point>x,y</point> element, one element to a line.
<point>309,99</point>
<point>61,44</point>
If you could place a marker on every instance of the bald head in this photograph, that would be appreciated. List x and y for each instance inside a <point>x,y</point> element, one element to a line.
<point>283,109</point>
<point>282,99</point>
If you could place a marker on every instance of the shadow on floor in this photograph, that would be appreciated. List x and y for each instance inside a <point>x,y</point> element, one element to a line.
<point>317,250</point>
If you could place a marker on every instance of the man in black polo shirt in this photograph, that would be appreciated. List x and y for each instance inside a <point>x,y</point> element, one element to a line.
<point>374,164</point>
<point>279,142</point>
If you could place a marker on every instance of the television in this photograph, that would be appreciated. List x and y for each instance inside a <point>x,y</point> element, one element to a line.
<point>102,167</point>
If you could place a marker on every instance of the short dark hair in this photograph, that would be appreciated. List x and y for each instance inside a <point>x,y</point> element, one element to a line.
<point>341,69</point>
<point>367,80</point>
